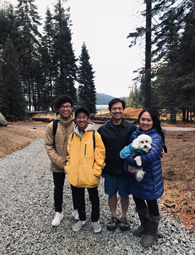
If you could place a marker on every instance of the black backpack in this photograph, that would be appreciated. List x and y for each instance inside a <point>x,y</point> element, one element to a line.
<point>55,125</point>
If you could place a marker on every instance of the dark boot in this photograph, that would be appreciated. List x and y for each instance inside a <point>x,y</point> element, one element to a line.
<point>152,228</point>
<point>141,230</point>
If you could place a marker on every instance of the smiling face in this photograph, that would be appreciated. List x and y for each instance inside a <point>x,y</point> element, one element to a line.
<point>82,120</point>
<point>65,110</point>
<point>116,112</point>
<point>146,122</point>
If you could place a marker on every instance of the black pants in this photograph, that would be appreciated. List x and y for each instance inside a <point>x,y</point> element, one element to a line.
<point>152,205</point>
<point>74,199</point>
<point>79,198</point>
<point>58,190</point>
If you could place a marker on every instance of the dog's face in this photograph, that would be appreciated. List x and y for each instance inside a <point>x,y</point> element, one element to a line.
<point>142,142</point>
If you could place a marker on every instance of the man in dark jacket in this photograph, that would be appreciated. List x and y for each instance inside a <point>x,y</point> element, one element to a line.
<point>115,135</point>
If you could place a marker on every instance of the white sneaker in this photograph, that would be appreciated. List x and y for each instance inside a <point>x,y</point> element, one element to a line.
<point>75,214</point>
<point>96,227</point>
<point>57,219</point>
<point>77,226</point>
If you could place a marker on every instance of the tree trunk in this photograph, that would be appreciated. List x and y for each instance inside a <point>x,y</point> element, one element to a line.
<point>183,115</point>
<point>148,55</point>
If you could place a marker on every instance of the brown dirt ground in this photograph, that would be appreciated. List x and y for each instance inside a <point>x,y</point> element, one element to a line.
<point>178,165</point>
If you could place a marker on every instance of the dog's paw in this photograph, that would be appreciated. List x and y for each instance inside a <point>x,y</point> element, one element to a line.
<point>138,160</point>
<point>139,175</point>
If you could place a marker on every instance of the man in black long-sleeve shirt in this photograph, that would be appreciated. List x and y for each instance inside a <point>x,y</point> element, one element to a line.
<point>115,135</point>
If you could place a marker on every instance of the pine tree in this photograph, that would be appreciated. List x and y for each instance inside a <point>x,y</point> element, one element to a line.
<point>64,58</point>
<point>170,76</point>
<point>86,89</point>
<point>49,65</point>
<point>168,54</point>
<point>27,45</point>
<point>187,66</point>
<point>11,93</point>
<point>7,25</point>
<point>130,99</point>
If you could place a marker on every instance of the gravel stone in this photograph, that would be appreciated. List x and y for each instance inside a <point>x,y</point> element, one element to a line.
<point>27,210</point>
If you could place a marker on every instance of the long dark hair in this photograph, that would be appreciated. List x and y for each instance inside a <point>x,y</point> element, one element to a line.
<point>156,123</point>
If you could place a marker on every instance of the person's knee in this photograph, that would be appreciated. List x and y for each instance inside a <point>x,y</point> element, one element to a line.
<point>113,197</point>
<point>125,198</point>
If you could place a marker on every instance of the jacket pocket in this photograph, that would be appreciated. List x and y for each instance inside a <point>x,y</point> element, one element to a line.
<point>88,179</point>
<point>88,150</point>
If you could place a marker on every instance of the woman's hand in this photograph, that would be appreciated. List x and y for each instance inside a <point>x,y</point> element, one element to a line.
<point>162,152</point>
<point>130,170</point>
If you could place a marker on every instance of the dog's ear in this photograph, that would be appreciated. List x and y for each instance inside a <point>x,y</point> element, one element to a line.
<point>135,144</point>
<point>150,139</point>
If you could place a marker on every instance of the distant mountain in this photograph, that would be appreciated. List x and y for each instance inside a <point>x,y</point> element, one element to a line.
<point>103,98</point>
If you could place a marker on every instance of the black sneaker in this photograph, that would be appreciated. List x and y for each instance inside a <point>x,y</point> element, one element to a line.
<point>123,224</point>
<point>112,225</point>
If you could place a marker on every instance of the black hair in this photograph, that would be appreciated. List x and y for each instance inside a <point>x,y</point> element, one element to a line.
<point>82,109</point>
<point>156,123</point>
<point>114,101</point>
<point>60,100</point>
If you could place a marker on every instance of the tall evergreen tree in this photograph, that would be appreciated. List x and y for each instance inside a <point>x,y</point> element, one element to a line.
<point>170,76</point>
<point>64,58</point>
<point>168,54</point>
<point>27,45</point>
<point>130,99</point>
<point>187,65</point>
<point>7,25</point>
<point>86,89</point>
<point>49,65</point>
<point>11,93</point>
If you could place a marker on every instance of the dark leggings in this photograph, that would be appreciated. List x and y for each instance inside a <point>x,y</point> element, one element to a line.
<point>152,205</point>
<point>79,198</point>
<point>58,179</point>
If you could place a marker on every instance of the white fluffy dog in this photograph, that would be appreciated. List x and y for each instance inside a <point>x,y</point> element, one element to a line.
<point>142,144</point>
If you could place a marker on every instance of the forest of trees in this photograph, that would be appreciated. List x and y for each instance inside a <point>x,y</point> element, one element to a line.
<point>36,67</point>
<point>172,58</point>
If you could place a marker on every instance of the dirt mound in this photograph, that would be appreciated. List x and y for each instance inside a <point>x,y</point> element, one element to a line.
<point>18,135</point>
<point>132,112</point>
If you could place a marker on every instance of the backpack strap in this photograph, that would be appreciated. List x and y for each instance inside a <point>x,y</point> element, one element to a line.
<point>94,139</point>
<point>55,125</point>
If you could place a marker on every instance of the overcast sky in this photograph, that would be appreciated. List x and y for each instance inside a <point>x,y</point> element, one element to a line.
<point>104,25</point>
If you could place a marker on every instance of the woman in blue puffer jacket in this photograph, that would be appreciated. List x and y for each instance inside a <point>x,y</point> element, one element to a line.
<point>146,192</point>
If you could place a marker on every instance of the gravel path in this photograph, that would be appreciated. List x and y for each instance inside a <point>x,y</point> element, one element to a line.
<point>26,197</point>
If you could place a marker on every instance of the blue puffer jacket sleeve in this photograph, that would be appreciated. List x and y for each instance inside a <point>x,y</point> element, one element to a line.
<point>151,187</point>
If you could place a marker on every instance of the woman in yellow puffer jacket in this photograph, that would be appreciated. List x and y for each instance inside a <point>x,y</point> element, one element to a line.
<point>85,161</point>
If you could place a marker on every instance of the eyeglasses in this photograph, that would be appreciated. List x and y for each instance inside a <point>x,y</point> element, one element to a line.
<point>68,106</point>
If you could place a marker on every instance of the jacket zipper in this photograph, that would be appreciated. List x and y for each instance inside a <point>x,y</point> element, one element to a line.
<point>85,149</point>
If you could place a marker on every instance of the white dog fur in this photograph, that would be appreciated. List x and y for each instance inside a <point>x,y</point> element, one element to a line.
<point>142,142</point>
